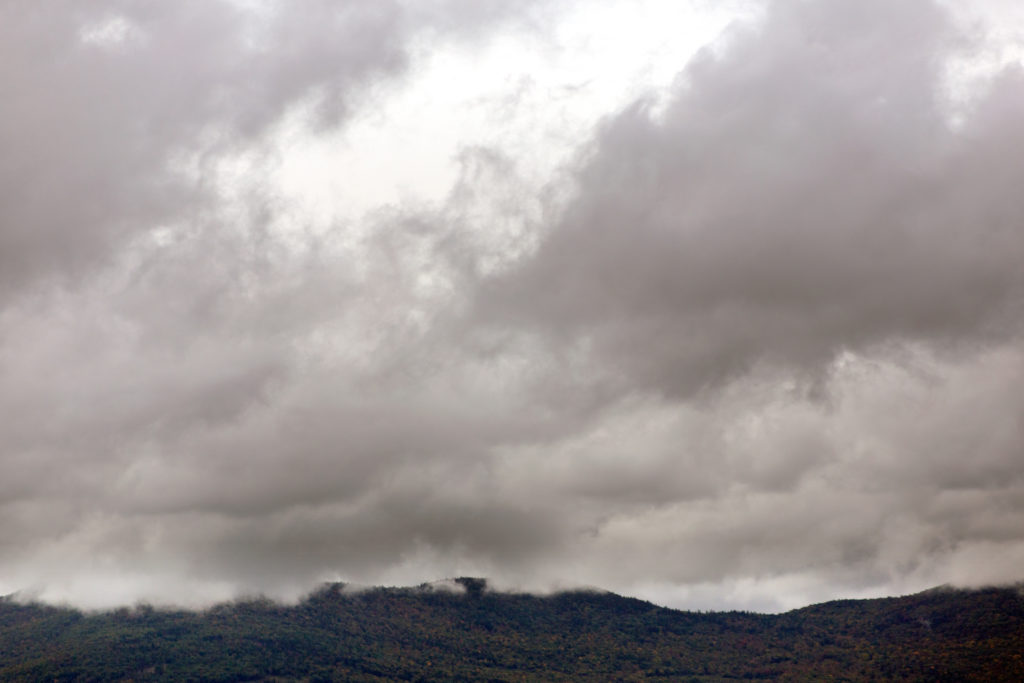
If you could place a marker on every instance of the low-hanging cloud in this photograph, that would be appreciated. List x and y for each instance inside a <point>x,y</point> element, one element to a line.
<point>765,350</point>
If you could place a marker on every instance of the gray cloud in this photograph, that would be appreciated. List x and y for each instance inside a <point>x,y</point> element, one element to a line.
<point>803,193</point>
<point>117,113</point>
<point>765,351</point>
<point>103,97</point>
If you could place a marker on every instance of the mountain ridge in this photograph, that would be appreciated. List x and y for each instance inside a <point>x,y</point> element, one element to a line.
<point>430,632</point>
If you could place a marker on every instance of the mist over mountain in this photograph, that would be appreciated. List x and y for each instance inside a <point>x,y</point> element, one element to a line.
<point>461,630</point>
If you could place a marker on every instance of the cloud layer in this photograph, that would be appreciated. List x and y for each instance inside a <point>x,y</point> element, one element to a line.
<point>757,345</point>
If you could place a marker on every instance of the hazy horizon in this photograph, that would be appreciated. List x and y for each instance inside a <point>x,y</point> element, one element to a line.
<point>448,585</point>
<point>719,305</point>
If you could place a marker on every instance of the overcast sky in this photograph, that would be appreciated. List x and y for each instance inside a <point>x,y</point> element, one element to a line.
<point>718,304</point>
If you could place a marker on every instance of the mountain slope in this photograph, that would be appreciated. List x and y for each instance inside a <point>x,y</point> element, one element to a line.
<point>429,634</point>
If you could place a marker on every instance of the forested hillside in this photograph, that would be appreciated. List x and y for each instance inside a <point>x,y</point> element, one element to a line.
<point>429,634</point>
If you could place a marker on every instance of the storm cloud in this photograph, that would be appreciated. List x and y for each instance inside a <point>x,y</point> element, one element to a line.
<point>802,194</point>
<point>756,343</point>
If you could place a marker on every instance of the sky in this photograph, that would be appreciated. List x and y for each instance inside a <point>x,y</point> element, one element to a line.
<point>716,304</point>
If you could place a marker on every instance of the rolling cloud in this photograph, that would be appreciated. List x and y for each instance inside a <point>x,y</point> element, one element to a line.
<point>757,343</point>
